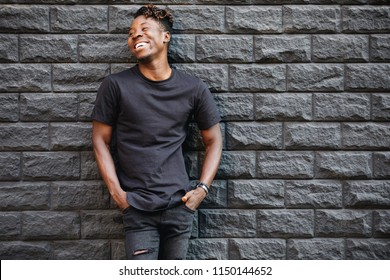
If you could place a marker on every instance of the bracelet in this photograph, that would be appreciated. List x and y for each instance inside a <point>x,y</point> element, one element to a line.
<point>204,187</point>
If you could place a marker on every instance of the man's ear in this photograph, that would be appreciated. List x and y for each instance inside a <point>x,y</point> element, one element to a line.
<point>167,37</point>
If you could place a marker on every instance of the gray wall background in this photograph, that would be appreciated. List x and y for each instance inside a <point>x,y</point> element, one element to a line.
<point>304,90</point>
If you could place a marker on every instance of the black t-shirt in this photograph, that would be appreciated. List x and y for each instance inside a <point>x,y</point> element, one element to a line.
<point>150,121</point>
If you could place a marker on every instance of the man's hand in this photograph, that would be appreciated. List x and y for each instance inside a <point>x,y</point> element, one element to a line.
<point>194,198</point>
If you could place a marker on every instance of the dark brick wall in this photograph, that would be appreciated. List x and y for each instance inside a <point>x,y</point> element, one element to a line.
<point>304,91</point>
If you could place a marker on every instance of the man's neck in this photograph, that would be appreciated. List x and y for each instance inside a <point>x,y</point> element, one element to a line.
<point>155,71</point>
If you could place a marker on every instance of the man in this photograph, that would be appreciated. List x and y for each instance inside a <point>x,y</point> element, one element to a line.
<point>147,109</point>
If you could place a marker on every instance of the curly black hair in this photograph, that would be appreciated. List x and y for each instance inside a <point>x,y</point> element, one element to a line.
<point>164,17</point>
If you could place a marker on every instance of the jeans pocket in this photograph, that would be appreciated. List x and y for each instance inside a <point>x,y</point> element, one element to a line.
<point>188,209</point>
<point>124,211</point>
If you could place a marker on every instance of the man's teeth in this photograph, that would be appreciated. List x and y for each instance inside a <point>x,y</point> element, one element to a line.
<point>140,45</point>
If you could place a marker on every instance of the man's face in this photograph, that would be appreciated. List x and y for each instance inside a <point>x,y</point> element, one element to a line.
<point>147,39</point>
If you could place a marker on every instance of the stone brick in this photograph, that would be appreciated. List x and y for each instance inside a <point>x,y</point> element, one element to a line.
<point>71,136</point>
<point>367,249</point>
<point>86,104</point>
<point>9,109</point>
<point>214,75</point>
<point>120,18</point>
<point>20,136</point>
<point>253,135</point>
<point>79,19</point>
<point>199,19</point>
<point>20,250</point>
<point>312,136</point>
<point>285,223</point>
<point>315,249</point>
<point>367,194</point>
<point>255,194</point>
<point>51,165</point>
<point>182,48</point>
<point>283,106</point>
<point>191,162</point>
<point>235,106</point>
<point>257,249</point>
<point>282,164</point>
<point>341,107</point>
<point>78,77</point>
<point>343,223</point>
<point>217,198</point>
<point>380,107</point>
<point>229,168</point>
<point>340,48</point>
<point>48,107</point>
<point>365,19</point>
<point>381,165</point>
<point>26,77</point>
<point>118,250</point>
<point>241,19</point>
<point>364,77</point>
<point>8,48</point>
<point>80,195</point>
<point>48,48</point>
<point>88,166</point>
<point>18,196</point>
<point>224,48</point>
<point>208,249</point>
<point>311,19</point>
<point>100,224</point>
<point>23,19</point>
<point>274,49</point>
<point>10,225</point>
<point>380,48</point>
<point>9,166</point>
<point>315,77</point>
<point>116,68</point>
<point>351,165</point>
<point>227,223</point>
<point>367,136</point>
<point>314,194</point>
<point>81,250</point>
<point>381,223</point>
<point>257,78</point>
<point>44,225</point>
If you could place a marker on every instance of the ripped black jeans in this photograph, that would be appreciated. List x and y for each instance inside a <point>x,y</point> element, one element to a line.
<point>160,235</point>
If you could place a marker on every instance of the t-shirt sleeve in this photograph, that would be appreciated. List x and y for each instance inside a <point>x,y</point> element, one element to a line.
<point>106,103</point>
<point>206,114</point>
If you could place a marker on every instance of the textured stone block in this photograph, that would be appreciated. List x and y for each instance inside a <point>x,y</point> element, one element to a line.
<point>315,77</point>
<point>255,194</point>
<point>257,78</point>
<point>100,224</point>
<point>10,225</point>
<point>315,249</point>
<point>311,19</point>
<point>253,136</point>
<point>71,136</point>
<point>48,48</point>
<point>118,249</point>
<point>26,77</point>
<point>44,225</point>
<point>340,48</point>
<point>273,49</point>
<point>283,106</point>
<point>343,223</point>
<point>79,19</point>
<point>9,109</point>
<point>34,19</point>
<point>199,19</point>
<point>229,168</point>
<point>367,249</point>
<point>9,48</point>
<point>227,223</point>
<point>191,161</point>
<point>314,194</point>
<point>217,198</point>
<point>22,136</point>
<point>368,136</point>
<point>312,136</point>
<point>81,250</point>
<point>235,106</point>
<point>48,107</point>
<point>381,165</point>
<point>366,19</point>
<point>257,249</point>
<point>380,107</point>
<point>351,165</point>
<point>367,194</point>
<point>9,166</point>
<point>86,104</point>
<point>341,107</point>
<point>281,164</point>
<point>88,166</point>
<point>20,250</point>
<point>224,48</point>
<point>78,77</point>
<point>381,223</point>
<point>208,249</point>
<point>285,223</point>
<point>182,48</point>
<point>241,19</point>
<point>364,77</point>
<point>51,165</point>
<point>120,18</point>
<point>24,196</point>
<point>380,48</point>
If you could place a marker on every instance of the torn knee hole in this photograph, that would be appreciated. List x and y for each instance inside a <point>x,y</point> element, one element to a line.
<point>140,252</point>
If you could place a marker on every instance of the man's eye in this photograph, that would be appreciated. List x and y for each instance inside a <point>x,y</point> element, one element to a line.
<point>130,34</point>
<point>144,29</point>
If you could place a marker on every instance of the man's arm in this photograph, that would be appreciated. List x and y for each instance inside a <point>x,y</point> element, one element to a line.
<point>212,139</point>
<point>101,137</point>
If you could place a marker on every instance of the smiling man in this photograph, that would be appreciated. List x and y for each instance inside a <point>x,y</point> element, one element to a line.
<point>147,109</point>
